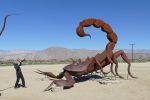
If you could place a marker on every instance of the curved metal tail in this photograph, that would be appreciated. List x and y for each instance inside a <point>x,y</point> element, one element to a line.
<point>4,24</point>
<point>111,36</point>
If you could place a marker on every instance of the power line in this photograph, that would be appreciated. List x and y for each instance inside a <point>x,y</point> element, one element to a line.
<point>132,50</point>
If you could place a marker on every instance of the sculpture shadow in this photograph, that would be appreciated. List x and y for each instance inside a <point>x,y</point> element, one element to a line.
<point>86,78</point>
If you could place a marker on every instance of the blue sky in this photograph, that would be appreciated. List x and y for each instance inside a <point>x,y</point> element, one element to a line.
<point>46,23</point>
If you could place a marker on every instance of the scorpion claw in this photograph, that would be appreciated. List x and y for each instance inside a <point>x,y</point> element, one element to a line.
<point>51,89</point>
<point>37,72</point>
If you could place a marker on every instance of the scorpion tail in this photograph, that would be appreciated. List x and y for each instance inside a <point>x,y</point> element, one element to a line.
<point>4,24</point>
<point>111,36</point>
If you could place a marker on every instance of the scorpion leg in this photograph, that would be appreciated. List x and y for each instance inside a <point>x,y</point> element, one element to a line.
<point>115,56</point>
<point>100,66</point>
<point>111,67</point>
<point>125,58</point>
<point>68,83</point>
<point>116,68</point>
<point>49,87</point>
<point>104,73</point>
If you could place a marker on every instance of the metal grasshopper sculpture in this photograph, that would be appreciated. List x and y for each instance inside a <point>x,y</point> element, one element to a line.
<point>90,65</point>
<point>4,24</point>
<point>3,28</point>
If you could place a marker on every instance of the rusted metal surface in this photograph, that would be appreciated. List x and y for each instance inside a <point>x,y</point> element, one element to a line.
<point>4,24</point>
<point>98,62</point>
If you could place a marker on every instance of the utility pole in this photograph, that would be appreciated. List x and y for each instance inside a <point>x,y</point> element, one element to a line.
<point>132,50</point>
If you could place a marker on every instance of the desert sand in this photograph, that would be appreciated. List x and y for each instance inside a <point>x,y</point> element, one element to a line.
<point>121,89</point>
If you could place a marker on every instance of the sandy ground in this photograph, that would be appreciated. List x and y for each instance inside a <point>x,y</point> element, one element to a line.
<point>132,89</point>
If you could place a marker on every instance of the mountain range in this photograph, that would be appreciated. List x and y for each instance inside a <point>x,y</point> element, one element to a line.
<point>60,53</point>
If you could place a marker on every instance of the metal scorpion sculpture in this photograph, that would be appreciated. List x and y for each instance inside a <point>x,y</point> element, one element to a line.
<point>90,65</point>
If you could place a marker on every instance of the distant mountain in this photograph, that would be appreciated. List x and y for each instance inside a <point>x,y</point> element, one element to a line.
<point>22,51</point>
<point>145,51</point>
<point>8,52</point>
<point>4,52</point>
<point>60,53</point>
